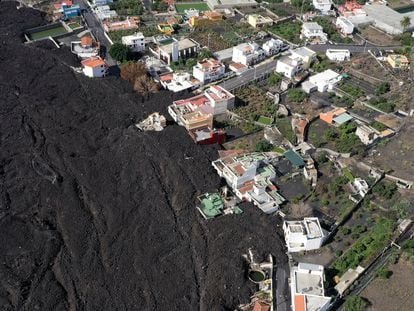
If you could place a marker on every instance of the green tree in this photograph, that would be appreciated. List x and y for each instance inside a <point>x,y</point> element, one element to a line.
<point>384,273</point>
<point>385,189</point>
<point>263,146</point>
<point>128,7</point>
<point>159,6</point>
<point>382,88</point>
<point>297,95</point>
<point>355,303</point>
<point>401,208</point>
<point>405,22</point>
<point>274,79</point>
<point>204,53</point>
<point>120,52</point>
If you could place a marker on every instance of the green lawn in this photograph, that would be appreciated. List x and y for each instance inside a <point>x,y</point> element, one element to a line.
<point>53,32</point>
<point>201,6</point>
<point>265,120</point>
<point>74,25</point>
<point>289,31</point>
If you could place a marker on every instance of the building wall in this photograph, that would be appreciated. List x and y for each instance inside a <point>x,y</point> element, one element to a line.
<point>95,72</point>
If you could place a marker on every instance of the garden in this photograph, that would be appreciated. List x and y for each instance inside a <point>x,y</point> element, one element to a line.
<point>342,139</point>
<point>367,246</point>
<point>289,31</point>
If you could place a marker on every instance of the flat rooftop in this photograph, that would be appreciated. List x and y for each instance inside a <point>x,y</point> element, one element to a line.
<point>304,52</point>
<point>309,284</point>
<point>182,45</point>
<point>232,2</point>
<point>388,16</point>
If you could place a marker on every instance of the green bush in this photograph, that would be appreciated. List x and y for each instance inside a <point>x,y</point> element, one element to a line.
<point>128,7</point>
<point>263,146</point>
<point>384,273</point>
<point>297,95</point>
<point>367,246</point>
<point>120,52</point>
<point>345,230</point>
<point>289,31</point>
<point>353,91</point>
<point>355,303</point>
<point>382,88</point>
<point>408,249</point>
<point>382,104</point>
<point>274,79</point>
<point>385,189</point>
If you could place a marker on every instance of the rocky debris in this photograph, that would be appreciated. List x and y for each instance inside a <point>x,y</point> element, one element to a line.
<point>154,122</point>
<point>95,216</point>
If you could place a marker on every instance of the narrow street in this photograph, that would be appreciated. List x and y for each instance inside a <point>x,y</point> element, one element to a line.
<point>96,28</point>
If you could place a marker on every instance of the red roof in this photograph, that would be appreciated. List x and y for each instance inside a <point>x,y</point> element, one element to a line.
<point>166,77</point>
<point>300,304</point>
<point>86,41</point>
<point>196,101</point>
<point>237,66</point>
<point>93,62</point>
<point>59,4</point>
<point>261,306</point>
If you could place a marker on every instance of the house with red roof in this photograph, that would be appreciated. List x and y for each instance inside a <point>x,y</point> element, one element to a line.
<point>94,67</point>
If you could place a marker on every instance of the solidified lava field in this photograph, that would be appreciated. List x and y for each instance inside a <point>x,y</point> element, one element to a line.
<point>95,215</point>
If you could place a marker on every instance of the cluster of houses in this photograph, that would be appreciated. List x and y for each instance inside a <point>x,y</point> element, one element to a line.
<point>207,70</point>
<point>196,114</point>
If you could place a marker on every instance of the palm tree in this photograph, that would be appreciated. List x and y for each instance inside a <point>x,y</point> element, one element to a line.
<point>405,22</point>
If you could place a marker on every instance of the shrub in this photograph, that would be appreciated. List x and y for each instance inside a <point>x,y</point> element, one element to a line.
<point>382,88</point>
<point>297,95</point>
<point>120,52</point>
<point>345,230</point>
<point>263,146</point>
<point>355,303</point>
<point>384,273</point>
<point>385,189</point>
<point>274,79</point>
<point>382,104</point>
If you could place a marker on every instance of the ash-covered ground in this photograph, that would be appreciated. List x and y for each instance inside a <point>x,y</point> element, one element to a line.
<point>95,215</point>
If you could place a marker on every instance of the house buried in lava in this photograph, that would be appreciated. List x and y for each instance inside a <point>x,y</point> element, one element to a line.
<point>251,176</point>
<point>196,114</point>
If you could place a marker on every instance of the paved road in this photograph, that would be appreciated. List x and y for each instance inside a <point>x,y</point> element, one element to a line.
<point>282,288</point>
<point>249,75</point>
<point>352,48</point>
<point>96,28</point>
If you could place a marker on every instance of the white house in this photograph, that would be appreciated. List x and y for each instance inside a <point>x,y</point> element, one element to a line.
<point>208,70</point>
<point>248,54</point>
<point>135,42</point>
<point>344,25</point>
<point>101,2</point>
<point>104,12</point>
<point>313,32</point>
<point>303,235</point>
<point>366,134</point>
<point>305,54</point>
<point>361,186</point>
<point>289,66</point>
<point>338,55</point>
<point>178,81</point>
<point>273,46</point>
<point>299,60</point>
<point>324,81</point>
<point>94,67</point>
<point>307,288</point>
<point>250,177</point>
<point>322,5</point>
